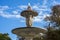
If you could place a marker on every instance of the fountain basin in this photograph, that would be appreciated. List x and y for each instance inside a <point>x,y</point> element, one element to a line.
<point>27,31</point>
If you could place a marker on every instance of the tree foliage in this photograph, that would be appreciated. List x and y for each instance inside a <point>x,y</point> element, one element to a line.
<point>55,15</point>
<point>4,36</point>
<point>53,33</point>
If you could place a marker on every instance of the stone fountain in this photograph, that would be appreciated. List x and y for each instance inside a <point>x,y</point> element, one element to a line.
<point>28,32</point>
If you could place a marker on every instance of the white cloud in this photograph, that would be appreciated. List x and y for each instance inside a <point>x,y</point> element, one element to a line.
<point>40,12</point>
<point>22,7</point>
<point>35,7</point>
<point>16,15</point>
<point>1,12</point>
<point>38,8</point>
<point>41,8</point>
<point>22,21</point>
<point>39,18</point>
<point>15,12</point>
<point>4,7</point>
<point>7,15</point>
<point>55,2</point>
<point>45,2</point>
<point>10,16</point>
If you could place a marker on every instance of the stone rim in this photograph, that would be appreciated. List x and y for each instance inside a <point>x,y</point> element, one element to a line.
<point>37,31</point>
<point>28,12</point>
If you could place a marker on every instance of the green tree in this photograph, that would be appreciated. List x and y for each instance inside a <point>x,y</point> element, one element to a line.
<point>55,16</point>
<point>4,36</point>
<point>53,32</point>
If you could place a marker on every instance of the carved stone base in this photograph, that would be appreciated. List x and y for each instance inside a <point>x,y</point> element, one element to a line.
<point>28,38</point>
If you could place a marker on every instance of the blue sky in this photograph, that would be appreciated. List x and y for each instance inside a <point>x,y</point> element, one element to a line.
<point>10,13</point>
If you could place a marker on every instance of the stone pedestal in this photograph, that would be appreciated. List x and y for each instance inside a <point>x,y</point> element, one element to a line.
<point>28,38</point>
